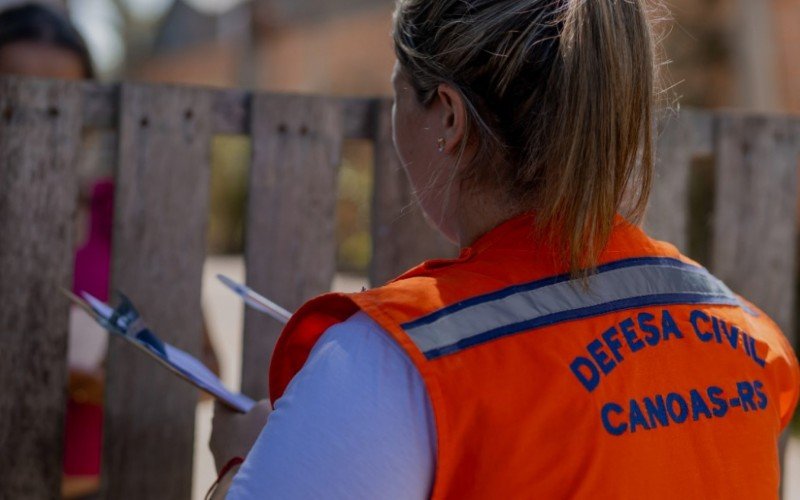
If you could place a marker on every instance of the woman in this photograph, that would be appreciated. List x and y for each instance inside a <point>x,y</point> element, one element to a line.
<point>563,353</point>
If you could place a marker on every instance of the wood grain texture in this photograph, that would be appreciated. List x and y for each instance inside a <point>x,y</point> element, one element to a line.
<point>39,136</point>
<point>754,244</point>
<point>291,245</point>
<point>231,110</point>
<point>401,237</point>
<point>159,249</point>
<point>680,138</point>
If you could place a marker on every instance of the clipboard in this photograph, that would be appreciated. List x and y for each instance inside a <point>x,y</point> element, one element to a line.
<point>125,321</point>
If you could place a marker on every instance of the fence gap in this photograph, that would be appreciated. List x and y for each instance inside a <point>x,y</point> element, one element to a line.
<point>701,209</point>
<point>222,309</point>
<point>158,253</point>
<point>353,238</point>
<point>230,170</point>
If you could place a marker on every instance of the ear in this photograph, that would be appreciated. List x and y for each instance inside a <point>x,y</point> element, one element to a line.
<point>453,116</point>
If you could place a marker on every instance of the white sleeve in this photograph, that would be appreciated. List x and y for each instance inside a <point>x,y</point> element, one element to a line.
<point>354,423</point>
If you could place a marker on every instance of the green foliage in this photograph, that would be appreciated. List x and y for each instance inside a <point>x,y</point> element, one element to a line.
<point>353,236</point>
<point>230,163</point>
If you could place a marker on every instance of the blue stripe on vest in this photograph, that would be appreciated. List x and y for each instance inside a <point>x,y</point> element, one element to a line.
<point>620,285</point>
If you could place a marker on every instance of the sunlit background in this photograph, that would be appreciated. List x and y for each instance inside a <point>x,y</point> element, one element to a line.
<point>722,52</point>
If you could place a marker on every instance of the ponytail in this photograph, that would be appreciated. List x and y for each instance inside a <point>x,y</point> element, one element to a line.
<point>600,100</point>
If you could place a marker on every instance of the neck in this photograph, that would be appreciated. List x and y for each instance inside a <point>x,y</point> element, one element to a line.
<point>480,213</point>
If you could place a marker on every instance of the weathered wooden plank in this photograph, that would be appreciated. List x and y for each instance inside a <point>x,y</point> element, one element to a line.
<point>159,249</point>
<point>756,208</point>
<point>291,246</point>
<point>230,113</point>
<point>39,135</point>
<point>401,237</point>
<point>668,212</point>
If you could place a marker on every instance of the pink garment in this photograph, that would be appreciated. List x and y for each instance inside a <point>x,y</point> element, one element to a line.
<point>93,259</point>
<point>84,420</point>
<point>83,439</point>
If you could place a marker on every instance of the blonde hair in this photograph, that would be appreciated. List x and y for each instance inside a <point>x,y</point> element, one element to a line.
<point>559,97</point>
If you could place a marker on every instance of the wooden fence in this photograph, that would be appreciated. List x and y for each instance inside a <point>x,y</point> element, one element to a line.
<point>164,135</point>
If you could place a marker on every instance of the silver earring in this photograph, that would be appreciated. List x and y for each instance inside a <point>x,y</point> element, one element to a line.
<point>440,142</point>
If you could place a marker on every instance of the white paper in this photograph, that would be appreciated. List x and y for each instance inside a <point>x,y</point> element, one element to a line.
<point>256,300</point>
<point>205,379</point>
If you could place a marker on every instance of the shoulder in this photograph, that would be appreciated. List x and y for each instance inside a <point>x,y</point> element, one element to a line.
<point>357,363</point>
<point>358,338</point>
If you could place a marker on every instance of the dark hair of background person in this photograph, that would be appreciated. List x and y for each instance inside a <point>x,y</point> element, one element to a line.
<point>41,24</point>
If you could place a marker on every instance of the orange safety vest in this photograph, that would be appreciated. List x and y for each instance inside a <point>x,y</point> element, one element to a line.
<point>657,382</point>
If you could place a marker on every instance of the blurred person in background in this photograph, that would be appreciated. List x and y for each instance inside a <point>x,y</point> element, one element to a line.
<point>40,41</point>
<point>564,353</point>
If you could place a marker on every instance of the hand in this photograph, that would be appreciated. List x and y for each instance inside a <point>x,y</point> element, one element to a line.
<point>233,433</point>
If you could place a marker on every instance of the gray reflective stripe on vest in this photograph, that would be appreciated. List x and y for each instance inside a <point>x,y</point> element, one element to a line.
<point>621,285</point>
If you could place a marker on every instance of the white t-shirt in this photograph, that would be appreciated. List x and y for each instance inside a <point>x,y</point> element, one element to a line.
<point>355,422</point>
